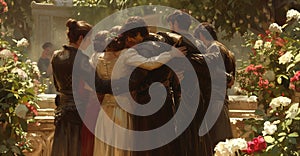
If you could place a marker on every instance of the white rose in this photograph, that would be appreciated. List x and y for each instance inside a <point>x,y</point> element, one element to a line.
<point>230,147</point>
<point>258,44</point>
<point>274,27</point>
<point>35,69</point>
<point>5,53</point>
<point>28,61</point>
<point>221,149</point>
<point>293,111</point>
<point>22,43</point>
<point>268,45</point>
<point>269,128</point>
<point>280,101</point>
<point>21,111</point>
<point>20,73</point>
<point>292,14</point>
<point>274,103</point>
<point>238,144</point>
<point>286,58</point>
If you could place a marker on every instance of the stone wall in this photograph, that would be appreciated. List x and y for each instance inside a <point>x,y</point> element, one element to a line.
<point>41,134</point>
<point>48,26</point>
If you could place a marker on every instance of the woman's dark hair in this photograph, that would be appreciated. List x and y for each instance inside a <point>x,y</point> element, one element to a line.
<point>113,39</point>
<point>47,44</point>
<point>207,30</point>
<point>133,26</point>
<point>77,29</point>
<point>100,41</point>
<point>183,19</point>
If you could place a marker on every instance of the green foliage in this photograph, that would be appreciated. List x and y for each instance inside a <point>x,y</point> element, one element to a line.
<point>19,18</point>
<point>230,16</point>
<point>272,76</point>
<point>274,60</point>
<point>19,87</point>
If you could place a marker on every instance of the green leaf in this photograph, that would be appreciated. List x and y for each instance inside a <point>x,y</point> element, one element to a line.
<point>280,77</point>
<point>289,67</point>
<point>3,149</point>
<point>254,129</point>
<point>288,122</point>
<point>293,141</point>
<point>23,123</point>
<point>279,80</point>
<point>269,139</point>
<point>15,150</point>
<point>259,112</point>
<point>11,109</point>
<point>270,147</point>
<point>2,69</point>
<point>9,95</point>
<point>282,134</point>
<point>293,135</point>
<point>297,58</point>
<point>281,139</point>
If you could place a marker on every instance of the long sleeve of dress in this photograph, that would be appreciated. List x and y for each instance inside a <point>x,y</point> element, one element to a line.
<point>133,58</point>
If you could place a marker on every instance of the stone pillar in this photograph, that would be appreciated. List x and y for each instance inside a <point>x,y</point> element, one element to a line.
<point>48,25</point>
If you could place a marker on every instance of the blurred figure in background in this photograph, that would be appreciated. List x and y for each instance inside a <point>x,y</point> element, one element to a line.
<point>45,67</point>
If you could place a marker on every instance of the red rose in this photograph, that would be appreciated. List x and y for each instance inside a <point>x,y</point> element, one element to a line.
<point>250,147</point>
<point>250,68</point>
<point>280,42</point>
<point>260,144</point>
<point>15,57</point>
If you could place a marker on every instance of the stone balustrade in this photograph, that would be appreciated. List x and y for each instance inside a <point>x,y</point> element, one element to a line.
<point>41,133</point>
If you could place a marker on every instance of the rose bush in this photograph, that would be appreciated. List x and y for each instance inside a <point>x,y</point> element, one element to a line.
<point>19,87</point>
<point>272,74</point>
<point>239,146</point>
<point>279,128</point>
<point>273,62</point>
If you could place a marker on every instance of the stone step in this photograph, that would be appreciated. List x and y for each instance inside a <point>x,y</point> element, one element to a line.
<point>242,113</point>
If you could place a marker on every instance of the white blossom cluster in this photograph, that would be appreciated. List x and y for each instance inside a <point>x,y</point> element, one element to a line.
<point>258,44</point>
<point>268,45</point>
<point>270,128</point>
<point>274,27</point>
<point>21,73</point>
<point>280,101</point>
<point>22,43</point>
<point>5,53</point>
<point>293,111</point>
<point>292,14</point>
<point>286,58</point>
<point>230,147</point>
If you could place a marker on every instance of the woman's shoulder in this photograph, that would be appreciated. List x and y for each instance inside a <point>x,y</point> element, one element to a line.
<point>65,53</point>
<point>216,45</point>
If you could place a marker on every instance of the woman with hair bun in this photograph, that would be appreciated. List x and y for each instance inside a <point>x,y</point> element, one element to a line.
<point>70,88</point>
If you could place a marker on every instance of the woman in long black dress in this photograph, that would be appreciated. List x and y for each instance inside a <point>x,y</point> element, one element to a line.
<point>70,86</point>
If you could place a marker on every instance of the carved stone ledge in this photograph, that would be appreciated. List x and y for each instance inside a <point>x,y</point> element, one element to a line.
<point>41,135</point>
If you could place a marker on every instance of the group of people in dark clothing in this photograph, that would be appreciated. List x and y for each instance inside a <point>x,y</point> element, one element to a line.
<point>130,54</point>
